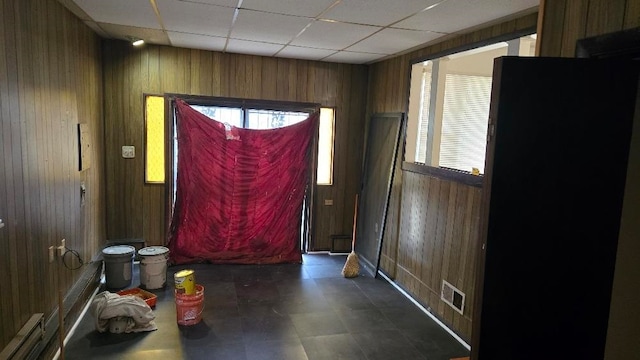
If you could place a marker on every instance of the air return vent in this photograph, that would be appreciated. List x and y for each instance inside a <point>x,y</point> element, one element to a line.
<point>452,296</point>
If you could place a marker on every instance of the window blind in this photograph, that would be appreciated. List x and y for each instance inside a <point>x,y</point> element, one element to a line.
<point>464,123</point>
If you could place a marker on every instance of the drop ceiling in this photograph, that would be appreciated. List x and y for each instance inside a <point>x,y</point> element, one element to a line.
<point>348,31</point>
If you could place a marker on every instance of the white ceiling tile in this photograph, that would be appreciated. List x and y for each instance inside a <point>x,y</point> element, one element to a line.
<point>273,28</point>
<point>353,57</point>
<point>151,36</point>
<point>309,8</point>
<point>299,52</point>
<point>195,18</point>
<point>390,41</point>
<point>122,12</point>
<point>333,35</point>
<point>227,3</point>
<point>252,47</point>
<point>455,15</point>
<point>264,26</point>
<point>376,12</point>
<point>195,41</point>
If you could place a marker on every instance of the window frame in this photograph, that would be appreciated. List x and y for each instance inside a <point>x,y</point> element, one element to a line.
<point>437,171</point>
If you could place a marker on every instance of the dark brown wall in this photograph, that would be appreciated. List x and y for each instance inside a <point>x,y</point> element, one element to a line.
<point>564,22</point>
<point>136,210</point>
<point>50,80</point>
<point>448,212</point>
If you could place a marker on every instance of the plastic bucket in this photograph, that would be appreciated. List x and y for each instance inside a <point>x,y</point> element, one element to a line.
<point>189,307</point>
<point>153,267</point>
<point>118,265</point>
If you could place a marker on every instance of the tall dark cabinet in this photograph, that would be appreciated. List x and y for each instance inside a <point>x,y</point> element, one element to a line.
<point>557,152</point>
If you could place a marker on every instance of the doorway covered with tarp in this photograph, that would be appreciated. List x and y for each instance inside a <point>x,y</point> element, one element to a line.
<point>239,192</point>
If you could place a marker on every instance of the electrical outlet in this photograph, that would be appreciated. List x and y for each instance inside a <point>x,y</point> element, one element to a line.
<point>52,253</point>
<point>128,151</point>
<point>62,247</point>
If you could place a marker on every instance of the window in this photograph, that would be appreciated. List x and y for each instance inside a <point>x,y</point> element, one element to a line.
<point>324,173</point>
<point>229,115</point>
<point>154,139</point>
<point>240,115</point>
<point>449,106</point>
<point>262,115</point>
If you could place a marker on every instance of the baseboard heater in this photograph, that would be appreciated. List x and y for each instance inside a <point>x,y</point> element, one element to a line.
<point>25,341</point>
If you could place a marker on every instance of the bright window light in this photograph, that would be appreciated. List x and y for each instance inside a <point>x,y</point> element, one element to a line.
<point>324,175</point>
<point>154,126</point>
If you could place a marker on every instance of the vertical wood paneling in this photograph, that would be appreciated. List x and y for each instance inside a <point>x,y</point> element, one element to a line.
<point>576,15</point>
<point>16,182</point>
<point>174,70</point>
<point>551,36</point>
<point>29,159</point>
<point>7,62</point>
<point>437,219</point>
<point>438,242</point>
<point>50,80</point>
<point>269,74</point>
<point>573,20</point>
<point>605,16</point>
<point>632,14</point>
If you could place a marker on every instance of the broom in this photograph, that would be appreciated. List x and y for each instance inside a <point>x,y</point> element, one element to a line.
<point>351,266</point>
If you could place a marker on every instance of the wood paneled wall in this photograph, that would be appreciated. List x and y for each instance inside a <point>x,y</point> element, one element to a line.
<point>562,23</point>
<point>136,210</point>
<point>417,252</point>
<point>438,237</point>
<point>50,80</point>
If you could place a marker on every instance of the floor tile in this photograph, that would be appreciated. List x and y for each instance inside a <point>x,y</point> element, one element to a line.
<point>318,323</point>
<point>283,311</point>
<point>364,320</point>
<point>385,345</point>
<point>332,347</point>
<point>289,349</point>
<point>231,351</point>
<point>268,328</point>
<point>354,300</point>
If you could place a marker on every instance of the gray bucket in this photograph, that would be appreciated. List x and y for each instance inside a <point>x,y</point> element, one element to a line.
<point>153,267</point>
<point>118,265</point>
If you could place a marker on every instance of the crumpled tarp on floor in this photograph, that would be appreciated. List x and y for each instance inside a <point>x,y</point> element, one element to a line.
<point>122,314</point>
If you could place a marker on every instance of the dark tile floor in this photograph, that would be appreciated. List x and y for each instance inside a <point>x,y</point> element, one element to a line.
<point>269,312</point>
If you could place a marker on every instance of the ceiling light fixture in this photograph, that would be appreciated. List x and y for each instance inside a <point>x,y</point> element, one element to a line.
<point>135,41</point>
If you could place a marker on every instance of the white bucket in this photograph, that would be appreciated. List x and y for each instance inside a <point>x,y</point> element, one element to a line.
<point>153,267</point>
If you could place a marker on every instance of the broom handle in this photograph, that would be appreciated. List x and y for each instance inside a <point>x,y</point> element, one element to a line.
<point>355,216</point>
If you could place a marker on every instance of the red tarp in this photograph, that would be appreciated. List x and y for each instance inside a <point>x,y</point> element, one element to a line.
<point>239,192</point>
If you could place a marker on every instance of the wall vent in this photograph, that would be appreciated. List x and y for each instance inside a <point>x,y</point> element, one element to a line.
<point>452,296</point>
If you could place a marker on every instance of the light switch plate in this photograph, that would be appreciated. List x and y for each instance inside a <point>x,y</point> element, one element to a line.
<point>128,151</point>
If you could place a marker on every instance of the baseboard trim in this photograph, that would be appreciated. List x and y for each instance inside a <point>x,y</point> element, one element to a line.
<point>415,302</point>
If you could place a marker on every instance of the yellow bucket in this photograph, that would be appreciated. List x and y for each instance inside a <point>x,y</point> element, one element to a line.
<point>185,282</point>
